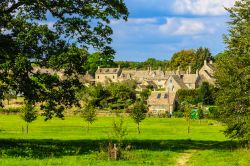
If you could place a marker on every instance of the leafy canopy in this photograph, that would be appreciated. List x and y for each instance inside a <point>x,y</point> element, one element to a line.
<point>26,40</point>
<point>233,74</point>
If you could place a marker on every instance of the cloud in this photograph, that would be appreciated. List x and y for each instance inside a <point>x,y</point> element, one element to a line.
<point>185,26</point>
<point>202,7</point>
<point>135,21</point>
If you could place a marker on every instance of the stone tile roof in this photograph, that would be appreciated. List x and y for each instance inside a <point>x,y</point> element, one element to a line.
<point>107,70</point>
<point>190,78</point>
<point>179,81</point>
<point>158,98</point>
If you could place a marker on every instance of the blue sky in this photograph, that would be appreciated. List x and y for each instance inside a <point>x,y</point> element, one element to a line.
<point>159,28</point>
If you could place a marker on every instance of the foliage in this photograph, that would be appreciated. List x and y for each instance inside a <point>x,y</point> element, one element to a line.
<point>194,58</point>
<point>119,130</point>
<point>27,39</point>
<point>89,114</point>
<point>187,114</point>
<point>206,94</point>
<point>144,94</point>
<point>98,59</point>
<point>121,96</point>
<point>188,95</point>
<point>151,62</point>
<point>233,74</point>
<point>10,110</point>
<point>138,113</point>
<point>29,114</point>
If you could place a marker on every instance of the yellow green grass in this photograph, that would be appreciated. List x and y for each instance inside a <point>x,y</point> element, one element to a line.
<point>163,141</point>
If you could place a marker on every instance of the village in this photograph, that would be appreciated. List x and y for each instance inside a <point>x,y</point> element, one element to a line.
<point>165,83</point>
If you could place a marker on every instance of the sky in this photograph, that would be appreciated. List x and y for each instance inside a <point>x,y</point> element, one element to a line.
<point>159,28</point>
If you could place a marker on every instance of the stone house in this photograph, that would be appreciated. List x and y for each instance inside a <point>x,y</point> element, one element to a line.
<point>161,102</point>
<point>106,75</point>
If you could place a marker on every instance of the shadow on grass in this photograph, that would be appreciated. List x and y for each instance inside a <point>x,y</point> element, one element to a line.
<point>34,148</point>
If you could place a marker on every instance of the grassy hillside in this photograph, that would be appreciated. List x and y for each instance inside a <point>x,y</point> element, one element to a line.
<point>162,142</point>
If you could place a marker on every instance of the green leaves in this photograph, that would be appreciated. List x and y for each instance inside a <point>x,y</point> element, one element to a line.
<point>233,74</point>
<point>26,41</point>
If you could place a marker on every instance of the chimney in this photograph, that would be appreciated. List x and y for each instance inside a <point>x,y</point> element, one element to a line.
<point>211,62</point>
<point>98,67</point>
<point>159,68</point>
<point>150,69</point>
<point>205,62</point>
<point>119,66</point>
<point>197,73</point>
<point>189,69</point>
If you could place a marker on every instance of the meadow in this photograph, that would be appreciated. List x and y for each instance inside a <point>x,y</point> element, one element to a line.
<point>162,141</point>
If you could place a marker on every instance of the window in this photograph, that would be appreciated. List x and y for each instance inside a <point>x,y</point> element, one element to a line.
<point>159,96</point>
<point>98,77</point>
<point>113,77</point>
<point>166,96</point>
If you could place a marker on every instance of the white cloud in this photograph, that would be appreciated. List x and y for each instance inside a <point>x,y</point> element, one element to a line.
<point>203,7</point>
<point>184,26</point>
<point>135,21</point>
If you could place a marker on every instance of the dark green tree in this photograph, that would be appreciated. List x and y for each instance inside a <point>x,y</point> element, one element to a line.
<point>201,54</point>
<point>206,94</point>
<point>29,114</point>
<point>233,74</point>
<point>98,59</point>
<point>138,113</point>
<point>26,39</point>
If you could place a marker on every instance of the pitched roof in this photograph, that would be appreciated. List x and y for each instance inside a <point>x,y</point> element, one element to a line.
<point>107,70</point>
<point>190,78</point>
<point>158,98</point>
<point>179,81</point>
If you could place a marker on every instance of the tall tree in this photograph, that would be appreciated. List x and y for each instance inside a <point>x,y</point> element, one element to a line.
<point>233,74</point>
<point>26,38</point>
<point>89,114</point>
<point>206,94</point>
<point>98,59</point>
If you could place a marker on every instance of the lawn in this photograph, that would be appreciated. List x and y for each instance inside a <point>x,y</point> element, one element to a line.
<point>162,141</point>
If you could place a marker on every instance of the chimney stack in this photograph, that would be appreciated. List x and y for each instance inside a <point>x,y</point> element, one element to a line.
<point>205,62</point>
<point>189,69</point>
<point>98,67</point>
<point>211,62</point>
<point>197,72</point>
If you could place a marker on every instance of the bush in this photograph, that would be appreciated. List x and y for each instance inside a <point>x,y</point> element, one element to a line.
<point>10,110</point>
<point>178,114</point>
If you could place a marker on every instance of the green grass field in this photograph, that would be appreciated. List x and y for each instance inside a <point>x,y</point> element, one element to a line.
<point>162,141</point>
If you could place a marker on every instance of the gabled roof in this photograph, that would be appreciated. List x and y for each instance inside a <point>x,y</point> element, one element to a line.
<point>190,78</point>
<point>179,81</point>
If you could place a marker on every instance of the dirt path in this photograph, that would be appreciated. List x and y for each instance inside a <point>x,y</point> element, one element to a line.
<point>184,158</point>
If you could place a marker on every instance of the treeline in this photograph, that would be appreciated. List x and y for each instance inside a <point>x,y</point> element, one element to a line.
<point>182,59</point>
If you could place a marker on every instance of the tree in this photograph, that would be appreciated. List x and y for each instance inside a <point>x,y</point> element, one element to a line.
<point>201,55</point>
<point>29,114</point>
<point>138,113</point>
<point>200,113</point>
<point>187,114</point>
<point>233,74</point>
<point>89,114</point>
<point>144,94</point>
<point>27,39</point>
<point>206,94</point>
<point>96,60</point>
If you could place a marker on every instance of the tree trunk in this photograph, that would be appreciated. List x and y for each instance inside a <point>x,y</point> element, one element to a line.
<point>138,128</point>
<point>188,126</point>
<point>27,128</point>
<point>88,127</point>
